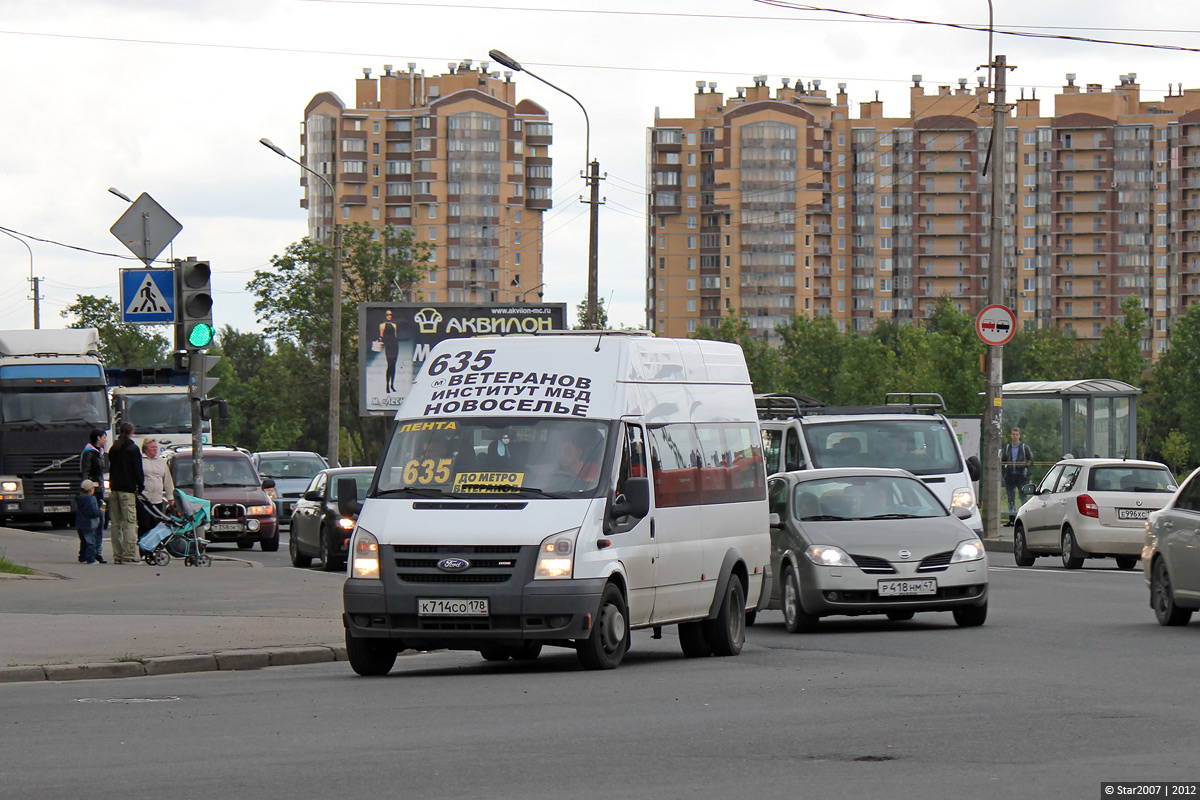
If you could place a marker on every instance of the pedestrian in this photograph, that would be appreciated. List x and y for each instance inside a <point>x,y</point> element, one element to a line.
<point>159,486</point>
<point>1016,459</point>
<point>126,482</point>
<point>87,522</point>
<point>93,463</point>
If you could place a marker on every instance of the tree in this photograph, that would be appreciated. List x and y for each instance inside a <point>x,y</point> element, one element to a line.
<point>1118,354</point>
<point>121,345</point>
<point>1044,354</point>
<point>581,315</point>
<point>293,302</point>
<point>1176,450</point>
<point>810,355</point>
<point>1173,401</point>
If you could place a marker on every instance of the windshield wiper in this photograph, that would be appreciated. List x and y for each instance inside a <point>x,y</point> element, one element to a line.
<point>824,518</point>
<point>894,516</point>
<point>420,491</point>
<point>41,425</point>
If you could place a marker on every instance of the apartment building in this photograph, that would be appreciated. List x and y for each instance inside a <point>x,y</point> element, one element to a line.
<point>456,158</point>
<point>778,202</point>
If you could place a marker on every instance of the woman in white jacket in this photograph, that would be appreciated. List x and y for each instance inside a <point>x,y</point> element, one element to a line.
<point>160,489</point>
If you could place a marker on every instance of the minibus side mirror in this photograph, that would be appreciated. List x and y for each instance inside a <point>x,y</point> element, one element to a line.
<point>348,503</point>
<point>974,469</point>
<point>634,501</point>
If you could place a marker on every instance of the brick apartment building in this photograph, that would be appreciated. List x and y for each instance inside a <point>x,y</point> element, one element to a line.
<point>455,157</point>
<point>774,203</point>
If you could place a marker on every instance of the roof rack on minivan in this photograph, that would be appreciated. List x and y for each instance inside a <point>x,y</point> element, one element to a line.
<point>785,405</point>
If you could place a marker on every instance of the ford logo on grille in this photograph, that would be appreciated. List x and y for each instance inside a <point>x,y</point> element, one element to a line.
<point>904,555</point>
<point>453,564</point>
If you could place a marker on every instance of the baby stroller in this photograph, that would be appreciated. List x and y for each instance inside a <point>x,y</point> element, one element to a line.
<point>177,534</point>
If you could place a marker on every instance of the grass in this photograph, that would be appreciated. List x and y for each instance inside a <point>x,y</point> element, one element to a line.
<point>11,568</point>
<point>130,657</point>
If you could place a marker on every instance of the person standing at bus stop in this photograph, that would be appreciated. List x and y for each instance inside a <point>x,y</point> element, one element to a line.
<point>126,481</point>
<point>1016,459</point>
<point>93,463</point>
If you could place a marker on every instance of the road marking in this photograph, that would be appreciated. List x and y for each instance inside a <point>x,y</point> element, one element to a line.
<point>1060,571</point>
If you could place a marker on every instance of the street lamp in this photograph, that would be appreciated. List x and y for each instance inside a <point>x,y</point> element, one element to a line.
<point>120,194</point>
<point>591,176</point>
<point>37,313</point>
<point>335,346</point>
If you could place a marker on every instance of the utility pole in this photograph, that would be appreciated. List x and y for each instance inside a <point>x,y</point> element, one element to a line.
<point>335,349</point>
<point>593,303</point>
<point>989,490</point>
<point>37,310</point>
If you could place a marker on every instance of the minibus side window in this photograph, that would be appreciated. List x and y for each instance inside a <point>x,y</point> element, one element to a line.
<point>633,465</point>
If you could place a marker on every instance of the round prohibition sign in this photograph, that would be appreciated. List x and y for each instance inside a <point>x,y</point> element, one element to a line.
<point>995,325</point>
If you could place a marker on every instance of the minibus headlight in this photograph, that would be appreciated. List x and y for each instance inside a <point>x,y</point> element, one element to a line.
<point>963,498</point>
<point>364,556</point>
<point>828,556</point>
<point>556,556</point>
<point>967,550</point>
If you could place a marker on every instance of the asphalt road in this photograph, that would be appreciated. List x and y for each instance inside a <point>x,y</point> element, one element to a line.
<point>1070,683</point>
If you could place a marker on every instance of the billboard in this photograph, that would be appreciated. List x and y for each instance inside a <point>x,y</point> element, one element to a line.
<point>395,338</point>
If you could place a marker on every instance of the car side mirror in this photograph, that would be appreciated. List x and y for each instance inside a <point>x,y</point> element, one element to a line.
<point>961,512</point>
<point>775,520</point>
<point>348,503</point>
<point>268,483</point>
<point>1029,488</point>
<point>974,469</point>
<point>634,501</point>
<point>313,496</point>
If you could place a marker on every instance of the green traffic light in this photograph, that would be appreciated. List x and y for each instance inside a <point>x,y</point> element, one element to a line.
<point>200,335</point>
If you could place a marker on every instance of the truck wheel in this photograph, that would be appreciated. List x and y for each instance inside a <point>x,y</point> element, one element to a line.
<point>692,641</point>
<point>727,633</point>
<point>605,647</point>
<point>370,657</point>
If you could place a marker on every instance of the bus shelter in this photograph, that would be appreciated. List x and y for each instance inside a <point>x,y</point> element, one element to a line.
<point>1085,418</point>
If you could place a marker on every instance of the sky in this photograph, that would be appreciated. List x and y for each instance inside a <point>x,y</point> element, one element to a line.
<point>170,98</point>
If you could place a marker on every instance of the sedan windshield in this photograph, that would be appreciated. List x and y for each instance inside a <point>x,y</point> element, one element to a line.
<point>531,457</point>
<point>303,467</point>
<point>1121,478</point>
<point>864,497</point>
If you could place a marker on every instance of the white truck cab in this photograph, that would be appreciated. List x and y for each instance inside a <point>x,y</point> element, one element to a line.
<point>562,489</point>
<point>909,431</point>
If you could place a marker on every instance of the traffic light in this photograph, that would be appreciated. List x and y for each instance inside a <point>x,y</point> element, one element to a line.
<point>200,384</point>
<point>193,299</point>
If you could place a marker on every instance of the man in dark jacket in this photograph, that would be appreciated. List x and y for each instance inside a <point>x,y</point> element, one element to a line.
<point>1016,459</point>
<point>93,463</point>
<point>126,482</point>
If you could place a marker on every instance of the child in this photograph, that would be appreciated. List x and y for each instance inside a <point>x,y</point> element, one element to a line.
<point>87,522</point>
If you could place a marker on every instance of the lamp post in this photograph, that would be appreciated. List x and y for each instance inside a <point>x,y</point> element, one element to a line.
<point>335,346</point>
<point>591,176</point>
<point>37,315</point>
<point>534,289</point>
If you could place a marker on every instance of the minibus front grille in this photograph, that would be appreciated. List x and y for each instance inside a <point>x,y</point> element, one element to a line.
<point>461,564</point>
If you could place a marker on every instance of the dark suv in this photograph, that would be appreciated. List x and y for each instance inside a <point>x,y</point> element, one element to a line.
<point>242,511</point>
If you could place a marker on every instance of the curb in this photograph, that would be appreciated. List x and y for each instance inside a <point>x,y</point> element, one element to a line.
<point>225,660</point>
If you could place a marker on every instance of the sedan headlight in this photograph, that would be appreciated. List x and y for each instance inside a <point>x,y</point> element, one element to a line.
<point>345,523</point>
<point>364,556</point>
<point>828,556</point>
<point>967,550</point>
<point>556,556</point>
<point>963,498</point>
<point>260,511</point>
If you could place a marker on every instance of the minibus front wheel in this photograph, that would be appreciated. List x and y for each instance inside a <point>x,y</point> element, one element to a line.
<point>606,646</point>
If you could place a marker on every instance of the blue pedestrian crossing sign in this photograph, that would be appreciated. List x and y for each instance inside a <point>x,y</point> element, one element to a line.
<point>147,296</point>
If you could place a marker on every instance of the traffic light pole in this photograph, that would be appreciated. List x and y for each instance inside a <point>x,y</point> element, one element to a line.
<point>196,368</point>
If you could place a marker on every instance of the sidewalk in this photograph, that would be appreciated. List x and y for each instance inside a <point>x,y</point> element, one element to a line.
<point>106,620</point>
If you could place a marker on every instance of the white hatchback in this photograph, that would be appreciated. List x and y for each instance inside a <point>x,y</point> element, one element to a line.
<point>1091,508</point>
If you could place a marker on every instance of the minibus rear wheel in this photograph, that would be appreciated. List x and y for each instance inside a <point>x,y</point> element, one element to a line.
<point>727,633</point>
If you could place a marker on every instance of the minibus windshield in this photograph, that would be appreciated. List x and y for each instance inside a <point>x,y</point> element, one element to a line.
<point>923,445</point>
<point>509,456</point>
